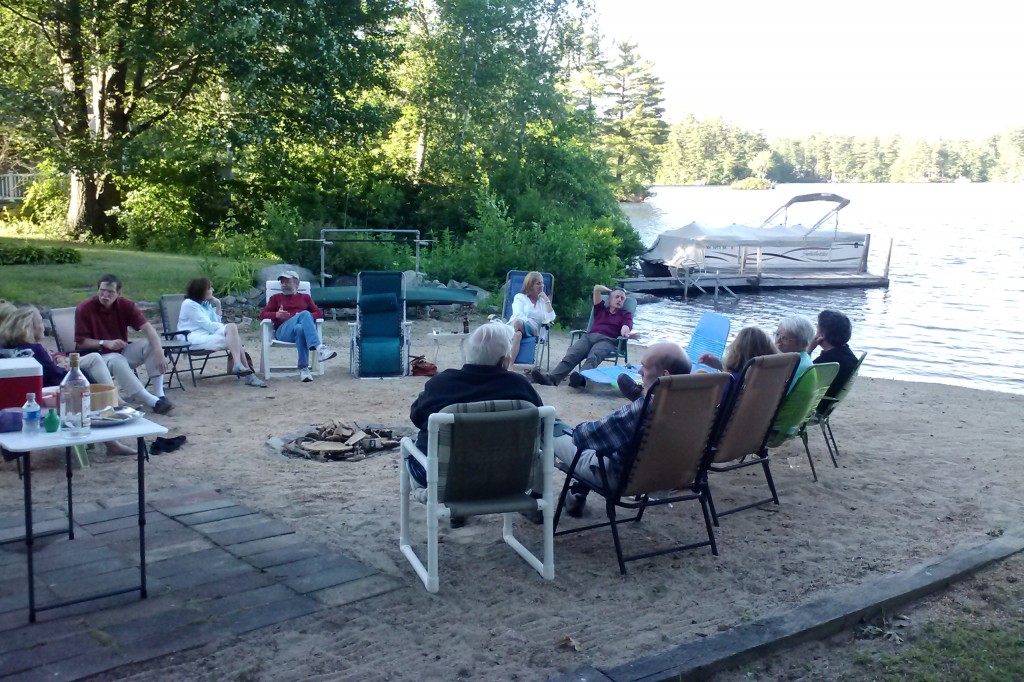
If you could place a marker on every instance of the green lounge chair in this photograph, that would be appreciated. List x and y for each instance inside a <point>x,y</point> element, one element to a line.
<point>799,406</point>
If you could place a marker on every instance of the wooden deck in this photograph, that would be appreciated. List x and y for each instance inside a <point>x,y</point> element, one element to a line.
<point>797,279</point>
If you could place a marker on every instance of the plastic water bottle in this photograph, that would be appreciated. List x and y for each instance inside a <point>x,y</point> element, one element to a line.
<point>30,415</point>
<point>75,400</point>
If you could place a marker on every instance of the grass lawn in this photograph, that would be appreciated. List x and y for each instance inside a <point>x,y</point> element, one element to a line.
<point>145,275</point>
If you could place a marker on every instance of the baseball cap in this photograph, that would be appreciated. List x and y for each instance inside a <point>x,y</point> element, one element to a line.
<point>288,274</point>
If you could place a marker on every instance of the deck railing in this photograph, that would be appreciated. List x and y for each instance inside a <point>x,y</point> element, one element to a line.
<point>13,186</point>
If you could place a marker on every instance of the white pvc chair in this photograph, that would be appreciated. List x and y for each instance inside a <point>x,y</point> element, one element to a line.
<point>267,332</point>
<point>480,460</point>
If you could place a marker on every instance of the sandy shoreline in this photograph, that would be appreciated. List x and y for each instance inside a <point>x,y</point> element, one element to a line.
<point>924,467</point>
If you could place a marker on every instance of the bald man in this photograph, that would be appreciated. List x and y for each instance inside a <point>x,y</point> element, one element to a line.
<point>612,434</point>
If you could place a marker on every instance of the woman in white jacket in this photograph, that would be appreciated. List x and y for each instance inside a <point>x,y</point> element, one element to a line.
<point>200,314</point>
<point>531,308</point>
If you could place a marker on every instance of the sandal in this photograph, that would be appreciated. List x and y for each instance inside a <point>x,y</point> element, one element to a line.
<point>253,380</point>
<point>240,371</point>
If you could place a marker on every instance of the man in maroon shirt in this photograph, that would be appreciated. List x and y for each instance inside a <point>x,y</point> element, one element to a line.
<point>294,315</point>
<point>610,322</point>
<point>101,326</point>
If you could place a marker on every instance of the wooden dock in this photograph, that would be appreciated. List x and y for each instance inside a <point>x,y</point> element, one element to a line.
<point>794,279</point>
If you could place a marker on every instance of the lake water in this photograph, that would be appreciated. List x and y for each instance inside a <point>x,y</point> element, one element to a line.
<point>954,309</point>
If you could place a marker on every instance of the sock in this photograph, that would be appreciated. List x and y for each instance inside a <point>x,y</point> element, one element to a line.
<point>146,397</point>
<point>158,386</point>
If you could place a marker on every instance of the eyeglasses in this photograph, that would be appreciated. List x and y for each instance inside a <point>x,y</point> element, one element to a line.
<point>783,337</point>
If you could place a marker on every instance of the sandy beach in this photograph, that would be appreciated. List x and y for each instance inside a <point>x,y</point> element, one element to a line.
<point>923,468</point>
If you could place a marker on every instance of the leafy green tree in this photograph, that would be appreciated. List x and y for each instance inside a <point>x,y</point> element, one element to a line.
<point>87,79</point>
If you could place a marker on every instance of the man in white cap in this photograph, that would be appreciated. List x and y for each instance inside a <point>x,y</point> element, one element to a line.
<point>294,316</point>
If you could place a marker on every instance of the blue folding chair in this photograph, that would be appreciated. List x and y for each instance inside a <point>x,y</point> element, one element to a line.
<point>530,345</point>
<point>379,344</point>
<point>709,336</point>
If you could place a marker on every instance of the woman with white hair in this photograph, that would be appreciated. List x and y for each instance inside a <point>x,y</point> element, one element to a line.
<point>792,336</point>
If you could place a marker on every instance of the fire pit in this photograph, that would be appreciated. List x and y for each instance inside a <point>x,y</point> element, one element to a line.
<point>340,441</point>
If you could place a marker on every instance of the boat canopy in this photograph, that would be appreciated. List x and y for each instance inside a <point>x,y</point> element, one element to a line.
<point>685,246</point>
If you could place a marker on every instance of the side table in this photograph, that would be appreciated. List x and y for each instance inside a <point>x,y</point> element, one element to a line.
<point>438,335</point>
<point>21,446</point>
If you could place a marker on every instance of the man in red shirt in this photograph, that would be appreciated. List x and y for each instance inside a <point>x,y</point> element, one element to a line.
<point>610,322</point>
<point>294,316</point>
<point>101,326</point>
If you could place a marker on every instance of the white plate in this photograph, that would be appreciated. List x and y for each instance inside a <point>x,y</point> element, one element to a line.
<point>121,415</point>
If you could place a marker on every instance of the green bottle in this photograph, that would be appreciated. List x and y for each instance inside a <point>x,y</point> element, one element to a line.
<point>52,421</point>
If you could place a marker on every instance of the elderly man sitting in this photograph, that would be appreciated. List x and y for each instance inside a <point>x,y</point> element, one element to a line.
<point>611,434</point>
<point>793,336</point>
<point>294,315</point>
<point>482,378</point>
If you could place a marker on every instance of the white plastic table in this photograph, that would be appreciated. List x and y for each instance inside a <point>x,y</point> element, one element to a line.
<point>18,445</point>
<point>438,335</point>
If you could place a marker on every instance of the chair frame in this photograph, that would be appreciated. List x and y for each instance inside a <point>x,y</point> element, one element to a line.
<point>822,417</point>
<point>821,375</point>
<point>268,341</point>
<point>429,573</point>
<point>620,494</point>
<point>170,325</point>
<point>759,452</point>
<point>355,327</point>
<point>543,337</point>
<point>621,342</point>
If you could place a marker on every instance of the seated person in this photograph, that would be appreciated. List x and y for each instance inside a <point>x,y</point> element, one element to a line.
<point>22,330</point>
<point>610,322</point>
<point>614,432</point>
<point>531,309</point>
<point>483,377</point>
<point>793,336</point>
<point>200,315</point>
<point>101,325</point>
<point>750,342</point>
<point>294,316</point>
<point>833,337</point>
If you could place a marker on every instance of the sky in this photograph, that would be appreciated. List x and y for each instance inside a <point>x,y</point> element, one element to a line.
<point>919,68</point>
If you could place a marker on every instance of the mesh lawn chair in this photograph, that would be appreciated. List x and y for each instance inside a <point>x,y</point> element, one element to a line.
<point>621,343</point>
<point>479,460</point>
<point>709,336</point>
<point>268,341</point>
<point>742,440</point>
<point>170,307</point>
<point>670,452</point>
<point>379,338</point>
<point>828,405</point>
<point>799,406</point>
<point>532,349</point>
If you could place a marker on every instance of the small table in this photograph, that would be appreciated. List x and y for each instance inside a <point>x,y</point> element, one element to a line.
<point>20,446</point>
<point>438,334</point>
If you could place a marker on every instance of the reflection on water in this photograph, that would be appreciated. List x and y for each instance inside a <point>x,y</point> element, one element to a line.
<point>953,311</point>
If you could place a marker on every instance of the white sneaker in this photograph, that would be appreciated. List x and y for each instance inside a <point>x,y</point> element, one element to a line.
<point>325,353</point>
<point>305,375</point>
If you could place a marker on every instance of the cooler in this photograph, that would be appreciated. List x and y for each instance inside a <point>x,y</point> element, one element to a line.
<point>19,376</point>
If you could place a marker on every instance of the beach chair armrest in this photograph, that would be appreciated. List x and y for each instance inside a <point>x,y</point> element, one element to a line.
<point>180,332</point>
<point>409,447</point>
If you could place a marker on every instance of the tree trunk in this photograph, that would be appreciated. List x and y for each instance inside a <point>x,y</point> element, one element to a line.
<point>91,202</point>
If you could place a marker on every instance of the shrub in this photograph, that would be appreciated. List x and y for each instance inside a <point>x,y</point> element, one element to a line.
<point>752,183</point>
<point>46,201</point>
<point>159,218</point>
<point>26,254</point>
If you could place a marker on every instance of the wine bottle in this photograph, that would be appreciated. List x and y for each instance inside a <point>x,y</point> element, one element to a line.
<point>75,400</point>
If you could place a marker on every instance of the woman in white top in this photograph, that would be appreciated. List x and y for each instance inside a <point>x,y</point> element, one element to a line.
<point>531,308</point>
<point>200,314</point>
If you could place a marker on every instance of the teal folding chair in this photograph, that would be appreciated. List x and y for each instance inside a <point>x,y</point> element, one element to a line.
<point>379,345</point>
<point>530,345</point>
<point>709,336</point>
<point>621,345</point>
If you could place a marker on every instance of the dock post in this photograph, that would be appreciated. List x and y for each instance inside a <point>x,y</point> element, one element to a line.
<point>717,274</point>
<point>888,258</point>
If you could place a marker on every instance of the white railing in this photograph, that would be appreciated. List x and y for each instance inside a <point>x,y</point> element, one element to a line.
<point>13,185</point>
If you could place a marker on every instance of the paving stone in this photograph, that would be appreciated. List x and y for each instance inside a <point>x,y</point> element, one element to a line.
<point>286,555</point>
<point>223,588</point>
<point>15,533</point>
<point>259,531</point>
<point>244,549</point>
<point>231,523</point>
<point>109,513</point>
<point>64,554</point>
<point>73,668</point>
<point>182,507</point>
<point>166,549</point>
<point>194,562</point>
<point>76,586</point>
<point>222,606</point>
<point>356,590</point>
<point>130,535</point>
<point>48,652</point>
<point>38,633</point>
<point>17,519</point>
<point>328,578</point>
<point>222,572</point>
<point>269,614</point>
<point>215,515</point>
<point>129,609</point>
<point>121,522</point>
<point>84,571</point>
